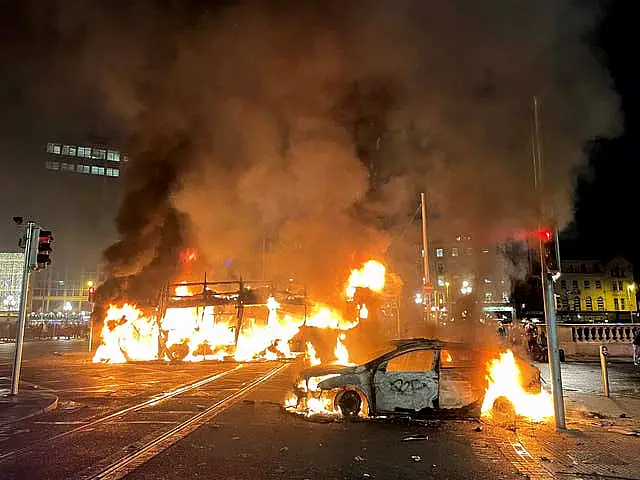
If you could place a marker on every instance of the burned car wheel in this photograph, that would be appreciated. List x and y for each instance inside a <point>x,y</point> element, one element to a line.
<point>349,403</point>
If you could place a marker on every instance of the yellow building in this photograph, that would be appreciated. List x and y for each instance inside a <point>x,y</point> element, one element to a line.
<point>594,291</point>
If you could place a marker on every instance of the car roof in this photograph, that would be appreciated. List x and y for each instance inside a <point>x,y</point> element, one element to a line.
<point>406,343</point>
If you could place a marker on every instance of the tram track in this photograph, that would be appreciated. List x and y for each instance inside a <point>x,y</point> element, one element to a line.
<point>137,454</point>
<point>92,423</point>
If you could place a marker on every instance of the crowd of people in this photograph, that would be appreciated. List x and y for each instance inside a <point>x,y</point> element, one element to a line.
<point>525,336</point>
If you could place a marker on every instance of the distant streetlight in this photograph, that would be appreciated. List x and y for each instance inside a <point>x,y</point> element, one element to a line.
<point>67,307</point>
<point>90,284</point>
<point>466,288</point>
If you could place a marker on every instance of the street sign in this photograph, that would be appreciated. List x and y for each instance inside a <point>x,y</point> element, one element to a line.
<point>428,289</point>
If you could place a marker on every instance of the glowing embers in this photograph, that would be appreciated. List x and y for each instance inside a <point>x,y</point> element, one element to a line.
<point>309,400</point>
<point>505,391</point>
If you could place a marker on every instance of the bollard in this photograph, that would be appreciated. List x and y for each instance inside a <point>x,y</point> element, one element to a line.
<point>604,352</point>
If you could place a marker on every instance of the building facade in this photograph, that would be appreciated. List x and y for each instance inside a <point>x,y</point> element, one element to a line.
<point>85,159</point>
<point>11,272</point>
<point>467,272</point>
<point>594,291</point>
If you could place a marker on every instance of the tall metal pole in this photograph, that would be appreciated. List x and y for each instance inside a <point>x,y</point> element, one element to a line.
<point>427,287</point>
<point>547,280</point>
<point>31,233</point>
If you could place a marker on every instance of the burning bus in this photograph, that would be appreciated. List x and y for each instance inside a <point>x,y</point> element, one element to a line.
<point>243,321</point>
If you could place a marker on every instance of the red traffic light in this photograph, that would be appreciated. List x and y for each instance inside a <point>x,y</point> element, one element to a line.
<point>545,234</point>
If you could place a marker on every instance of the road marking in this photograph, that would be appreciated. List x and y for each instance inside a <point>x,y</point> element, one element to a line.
<point>146,452</point>
<point>147,403</point>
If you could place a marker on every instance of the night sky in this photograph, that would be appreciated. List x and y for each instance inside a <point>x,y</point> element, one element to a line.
<point>606,206</point>
<point>41,99</point>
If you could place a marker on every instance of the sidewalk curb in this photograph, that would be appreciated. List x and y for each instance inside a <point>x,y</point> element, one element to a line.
<point>52,406</point>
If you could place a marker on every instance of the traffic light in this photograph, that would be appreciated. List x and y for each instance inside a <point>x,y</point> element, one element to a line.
<point>91,293</point>
<point>550,250</point>
<point>45,249</point>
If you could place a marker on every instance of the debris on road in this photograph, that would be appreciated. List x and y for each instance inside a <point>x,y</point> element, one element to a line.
<point>416,458</point>
<point>415,437</point>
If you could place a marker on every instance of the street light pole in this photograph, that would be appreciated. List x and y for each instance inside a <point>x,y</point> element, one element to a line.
<point>427,287</point>
<point>31,233</point>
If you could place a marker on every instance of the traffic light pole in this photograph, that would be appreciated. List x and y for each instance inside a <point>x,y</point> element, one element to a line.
<point>30,245</point>
<point>554,351</point>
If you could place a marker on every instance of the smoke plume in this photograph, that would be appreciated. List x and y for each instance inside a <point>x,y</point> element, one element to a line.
<point>289,139</point>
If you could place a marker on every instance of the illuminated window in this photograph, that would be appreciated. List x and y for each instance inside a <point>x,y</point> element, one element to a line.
<point>587,284</point>
<point>565,303</point>
<point>69,150</point>
<point>440,280</point>
<point>113,156</point>
<point>52,165</point>
<point>574,285</point>
<point>615,304</point>
<point>97,170</point>
<point>588,303</point>
<point>67,167</point>
<point>84,152</point>
<point>83,169</point>
<point>125,158</point>
<point>563,285</point>
<point>454,252</point>
<point>598,284</point>
<point>113,172</point>
<point>99,153</point>
<point>439,252</point>
<point>576,304</point>
<point>600,302</point>
<point>54,148</point>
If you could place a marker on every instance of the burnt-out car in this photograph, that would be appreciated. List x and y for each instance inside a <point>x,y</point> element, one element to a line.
<point>410,377</point>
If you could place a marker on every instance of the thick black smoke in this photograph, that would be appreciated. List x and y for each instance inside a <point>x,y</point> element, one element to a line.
<point>293,136</point>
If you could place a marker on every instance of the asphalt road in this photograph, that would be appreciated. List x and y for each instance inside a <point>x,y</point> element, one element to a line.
<point>216,420</point>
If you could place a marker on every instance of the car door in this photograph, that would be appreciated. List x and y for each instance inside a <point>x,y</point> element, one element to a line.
<point>460,378</point>
<point>408,382</point>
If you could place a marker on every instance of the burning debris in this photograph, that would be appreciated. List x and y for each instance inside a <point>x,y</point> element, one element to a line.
<point>226,323</point>
<point>506,390</point>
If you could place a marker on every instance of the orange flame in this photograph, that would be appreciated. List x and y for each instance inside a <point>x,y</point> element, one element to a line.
<point>201,332</point>
<point>312,355</point>
<point>505,380</point>
<point>371,275</point>
<point>341,352</point>
<point>127,335</point>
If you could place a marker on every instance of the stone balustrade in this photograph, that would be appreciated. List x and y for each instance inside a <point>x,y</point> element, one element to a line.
<point>584,340</point>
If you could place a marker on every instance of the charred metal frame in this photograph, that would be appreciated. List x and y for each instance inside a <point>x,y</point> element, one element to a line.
<point>220,293</point>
